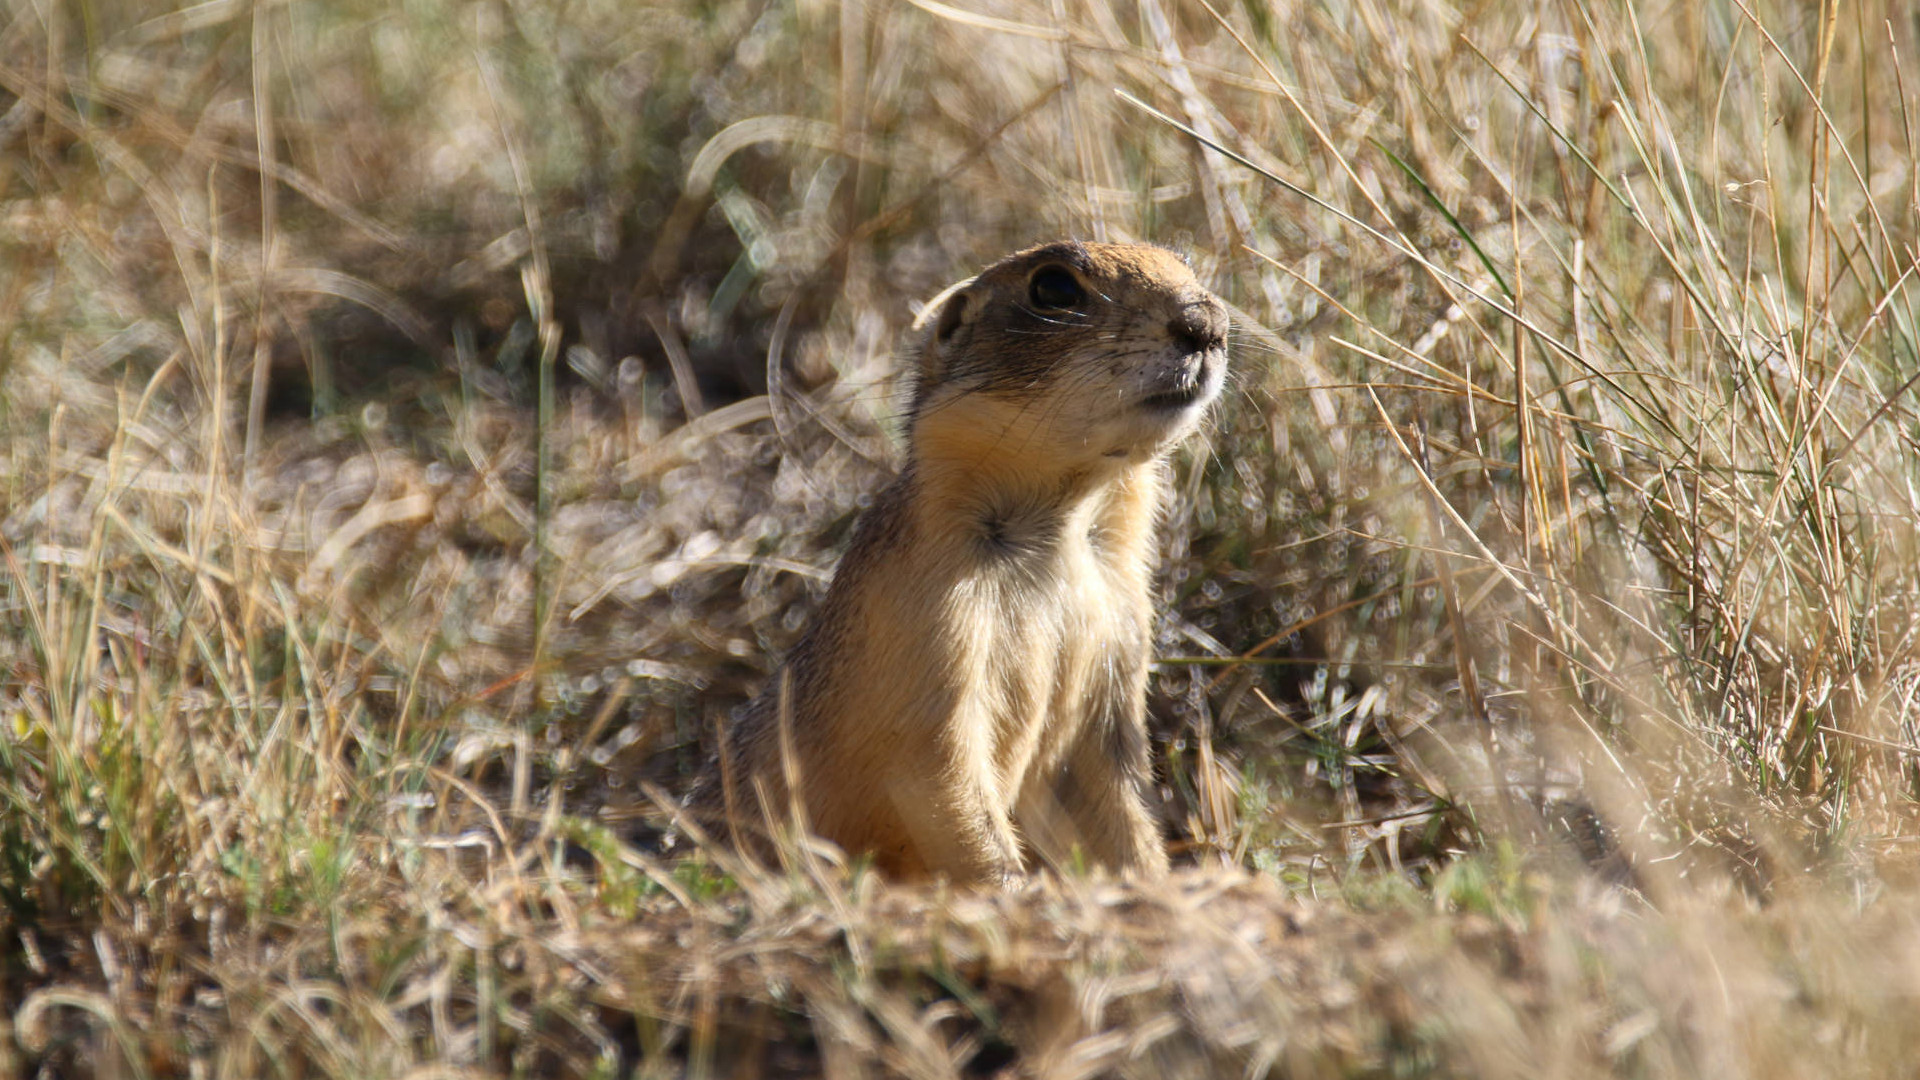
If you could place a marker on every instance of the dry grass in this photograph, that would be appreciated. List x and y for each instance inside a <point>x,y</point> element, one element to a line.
<point>419,424</point>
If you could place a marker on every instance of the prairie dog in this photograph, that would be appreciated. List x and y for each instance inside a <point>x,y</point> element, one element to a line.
<point>972,691</point>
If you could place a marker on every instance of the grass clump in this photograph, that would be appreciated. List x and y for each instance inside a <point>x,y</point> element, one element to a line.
<point>420,425</point>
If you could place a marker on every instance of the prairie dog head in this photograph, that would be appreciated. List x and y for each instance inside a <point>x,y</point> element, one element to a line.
<point>1067,356</point>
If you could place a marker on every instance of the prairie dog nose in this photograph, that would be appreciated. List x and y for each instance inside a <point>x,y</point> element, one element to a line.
<point>1199,325</point>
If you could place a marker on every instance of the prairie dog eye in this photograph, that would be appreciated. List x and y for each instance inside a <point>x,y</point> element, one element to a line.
<point>1055,287</point>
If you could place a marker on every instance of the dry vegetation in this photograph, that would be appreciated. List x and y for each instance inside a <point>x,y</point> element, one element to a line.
<point>419,423</point>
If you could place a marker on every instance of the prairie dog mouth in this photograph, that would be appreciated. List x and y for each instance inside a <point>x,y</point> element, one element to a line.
<point>1185,388</point>
<point>1168,400</point>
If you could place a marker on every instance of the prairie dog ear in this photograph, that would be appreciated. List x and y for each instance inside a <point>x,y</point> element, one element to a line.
<point>955,313</point>
<point>944,316</point>
<point>946,311</point>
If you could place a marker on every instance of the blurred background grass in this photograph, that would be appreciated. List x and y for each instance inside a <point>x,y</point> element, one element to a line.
<point>420,423</point>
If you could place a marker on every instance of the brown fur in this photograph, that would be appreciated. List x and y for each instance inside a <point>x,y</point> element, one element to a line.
<point>972,690</point>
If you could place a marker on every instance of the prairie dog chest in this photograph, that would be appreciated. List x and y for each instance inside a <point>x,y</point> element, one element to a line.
<point>1052,622</point>
<point>1060,573</point>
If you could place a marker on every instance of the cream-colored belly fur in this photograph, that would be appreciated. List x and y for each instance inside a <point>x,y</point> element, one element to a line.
<point>1023,669</point>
